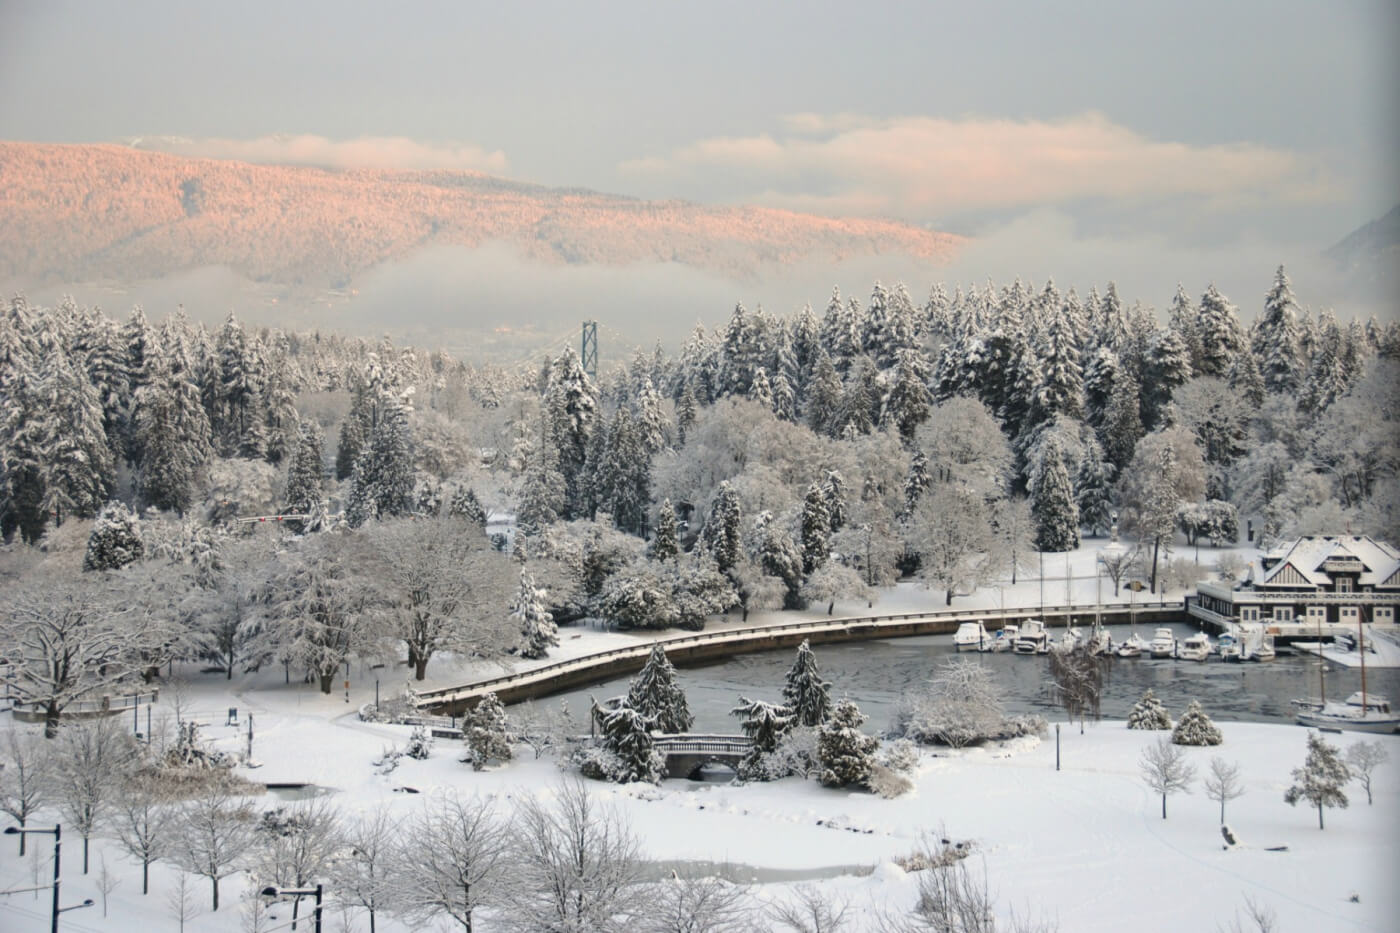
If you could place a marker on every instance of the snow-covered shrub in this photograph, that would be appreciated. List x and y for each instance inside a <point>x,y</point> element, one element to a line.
<point>1230,565</point>
<point>484,730</point>
<point>188,752</point>
<point>393,709</point>
<point>900,755</point>
<point>962,706</point>
<point>597,763</point>
<point>794,755</point>
<point>887,782</point>
<point>1195,728</point>
<point>1149,713</point>
<point>844,752</point>
<point>420,744</point>
<point>115,540</point>
<point>388,760</point>
<point>1183,573</point>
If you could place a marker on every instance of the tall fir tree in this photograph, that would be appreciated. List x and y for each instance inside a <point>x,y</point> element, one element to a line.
<point>1053,503</point>
<point>381,485</point>
<point>537,629</point>
<point>655,694</point>
<point>115,540</point>
<point>807,695</point>
<point>824,395</point>
<point>721,534</point>
<point>665,545</point>
<point>1274,342</point>
<point>1218,329</point>
<point>816,530</point>
<point>845,754</point>
<point>304,493</point>
<point>173,438</point>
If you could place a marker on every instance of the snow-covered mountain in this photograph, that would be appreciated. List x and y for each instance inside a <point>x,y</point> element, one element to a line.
<point>113,213</point>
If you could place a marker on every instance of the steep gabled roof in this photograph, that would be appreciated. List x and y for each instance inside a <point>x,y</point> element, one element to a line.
<point>1305,562</point>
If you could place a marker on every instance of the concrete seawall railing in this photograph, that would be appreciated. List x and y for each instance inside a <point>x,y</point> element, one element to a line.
<point>724,643</point>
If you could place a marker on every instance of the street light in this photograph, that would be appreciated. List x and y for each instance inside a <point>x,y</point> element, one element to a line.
<point>272,891</point>
<point>57,834</point>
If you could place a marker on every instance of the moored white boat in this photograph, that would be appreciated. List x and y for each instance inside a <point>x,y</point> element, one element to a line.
<point>970,635</point>
<point>1032,638</point>
<point>1069,639</point>
<point>1099,642</point>
<point>1132,647</point>
<point>1005,638</point>
<point>1228,647</point>
<point>1195,648</point>
<point>1163,644</point>
<point>1358,714</point>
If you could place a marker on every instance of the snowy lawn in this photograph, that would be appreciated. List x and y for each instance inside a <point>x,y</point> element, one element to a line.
<point>1085,847</point>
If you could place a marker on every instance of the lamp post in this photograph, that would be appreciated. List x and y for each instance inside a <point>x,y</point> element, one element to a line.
<point>57,834</point>
<point>315,892</point>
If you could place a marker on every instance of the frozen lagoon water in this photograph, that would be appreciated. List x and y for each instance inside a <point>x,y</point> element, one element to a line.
<point>875,674</point>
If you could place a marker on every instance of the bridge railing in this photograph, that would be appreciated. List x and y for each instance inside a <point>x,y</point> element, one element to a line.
<point>547,671</point>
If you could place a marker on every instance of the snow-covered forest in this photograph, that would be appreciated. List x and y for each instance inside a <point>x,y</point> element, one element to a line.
<point>772,462</point>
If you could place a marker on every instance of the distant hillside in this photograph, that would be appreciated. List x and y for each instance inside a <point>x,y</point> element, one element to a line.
<point>85,213</point>
<point>1369,257</point>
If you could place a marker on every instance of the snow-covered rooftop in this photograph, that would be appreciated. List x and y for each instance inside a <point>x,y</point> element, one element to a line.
<point>1309,556</point>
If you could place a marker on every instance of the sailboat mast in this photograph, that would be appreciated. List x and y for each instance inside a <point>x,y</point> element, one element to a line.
<point>1361,647</point>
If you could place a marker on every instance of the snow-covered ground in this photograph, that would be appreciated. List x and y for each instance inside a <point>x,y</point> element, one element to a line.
<point>1084,847</point>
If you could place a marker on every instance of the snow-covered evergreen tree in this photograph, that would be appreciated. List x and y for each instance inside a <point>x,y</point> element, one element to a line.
<point>571,401</point>
<point>171,438</point>
<point>1122,427</point>
<point>844,752</point>
<point>1222,338</point>
<point>1274,342</point>
<point>823,395</point>
<point>304,494</point>
<point>79,470</point>
<point>1167,367</point>
<point>627,735</point>
<point>907,404</point>
<point>665,545</point>
<point>816,530</point>
<point>537,629</point>
<point>807,695</point>
<point>1093,488</point>
<point>1321,779</point>
<point>764,724</point>
<point>1195,727</point>
<point>656,695</point>
<point>721,535</point>
<point>465,505</point>
<point>834,491</point>
<point>115,540</point>
<point>382,482</point>
<point>1053,504</point>
<point>1149,713</point>
<point>486,733</point>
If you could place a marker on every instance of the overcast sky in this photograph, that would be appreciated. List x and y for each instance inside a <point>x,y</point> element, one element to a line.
<point>1264,128</point>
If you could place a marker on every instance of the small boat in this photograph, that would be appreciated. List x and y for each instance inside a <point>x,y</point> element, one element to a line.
<point>1069,639</point>
<point>1099,642</point>
<point>1228,646</point>
<point>1264,651</point>
<point>1195,648</point>
<point>1132,647</point>
<point>1163,644</point>
<point>1360,713</point>
<point>1032,638</point>
<point>971,635</point>
<point>1004,640</point>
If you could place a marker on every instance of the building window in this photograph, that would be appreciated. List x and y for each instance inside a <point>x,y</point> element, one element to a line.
<point>1384,614</point>
<point>1283,613</point>
<point>1344,584</point>
<point>1347,614</point>
<point>1317,613</point>
<point>1249,614</point>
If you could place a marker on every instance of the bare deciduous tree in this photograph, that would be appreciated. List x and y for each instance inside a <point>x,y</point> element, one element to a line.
<point>24,779</point>
<point>180,900</point>
<point>1259,918</point>
<point>1165,769</point>
<point>961,706</point>
<point>143,823</point>
<point>576,863</point>
<point>1223,783</point>
<point>1362,758</point>
<point>1079,676</point>
<point>452,860</point>
<point>362,875</point>
<point>444,580</point>
<point>696,904</point>
<point>67,641</point>
<point>92,760</point>
<point>106,881</point>
<point>213,835</point>
<point>810,911</point>
<point>295,845</point>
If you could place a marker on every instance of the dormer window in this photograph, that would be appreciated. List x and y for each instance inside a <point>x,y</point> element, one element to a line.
<point>1344,584</point>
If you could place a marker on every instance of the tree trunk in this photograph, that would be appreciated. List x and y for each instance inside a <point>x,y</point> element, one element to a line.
<point>85,854</point>
<point>949,600</point>
<point>145,876</point>
<point>1222,811</point>
<point>1164,806</point>
<point>215,882</point>
<point>830,606</point>
<point>327,682</point>
<point>420,668</point>
<point>51,714</point>
<point>1157,543</point>
<point>1319,817</point>
<point>21,839</point>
